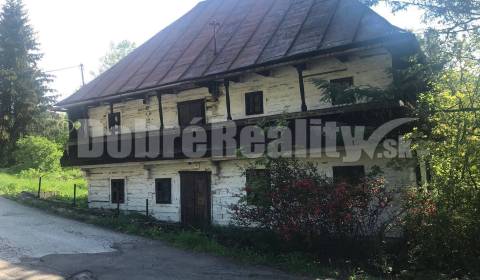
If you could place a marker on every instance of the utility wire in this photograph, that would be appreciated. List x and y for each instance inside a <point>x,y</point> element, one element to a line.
<point>68,68</point>
<point>62,69</point>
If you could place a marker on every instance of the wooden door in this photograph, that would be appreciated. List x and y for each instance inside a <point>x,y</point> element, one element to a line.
<point>195,198</point>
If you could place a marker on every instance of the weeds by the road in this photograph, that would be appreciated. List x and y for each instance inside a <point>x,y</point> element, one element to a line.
<point>59,185</point>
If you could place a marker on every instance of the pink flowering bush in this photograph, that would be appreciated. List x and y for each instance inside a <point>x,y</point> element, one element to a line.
<point>295,202</point>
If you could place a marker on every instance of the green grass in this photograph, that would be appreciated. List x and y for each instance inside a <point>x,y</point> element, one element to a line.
<point>60,183</point>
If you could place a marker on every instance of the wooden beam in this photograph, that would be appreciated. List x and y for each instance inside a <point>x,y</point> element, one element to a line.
<point>86,122</point>
<point>325,73</point>
<point>300,68</point>
<point>343,58</point>
<point>212,86</point>
<point>227,94</point>
<point>235,79</point>
<point>146,100</point>
<point>214,89</point>
<point>160,110</point>
<point>265,73</point>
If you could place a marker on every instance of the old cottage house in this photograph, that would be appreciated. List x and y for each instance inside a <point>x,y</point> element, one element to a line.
<point>236,61</point>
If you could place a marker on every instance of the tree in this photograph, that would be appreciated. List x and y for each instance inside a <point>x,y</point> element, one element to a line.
<point>38,153</point>
<point>115,54</point>
<point>51,125</point>
<point>23,86</point>
<point>442,215</point>
<point>448,16</point>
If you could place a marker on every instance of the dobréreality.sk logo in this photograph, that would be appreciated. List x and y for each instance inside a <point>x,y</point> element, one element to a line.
<point>300,138</point>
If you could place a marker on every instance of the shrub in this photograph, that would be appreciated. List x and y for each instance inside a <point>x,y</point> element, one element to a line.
<point>30,173</point>
<point>34,152</point>
<point>443,231</point>
<point>297,203</point>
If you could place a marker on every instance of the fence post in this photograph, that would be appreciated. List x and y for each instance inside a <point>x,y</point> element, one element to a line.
<point>39,186</point>
<point>74,195</point>
<point>146,204</point>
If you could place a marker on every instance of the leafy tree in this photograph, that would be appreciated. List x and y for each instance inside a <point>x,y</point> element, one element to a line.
<point>449,16</point>
<point>51,125</point>
<point>23,86</point>
<point>39,153</point>
<point>442,221</point>
<point>442,225</point>
<point>115,54</point>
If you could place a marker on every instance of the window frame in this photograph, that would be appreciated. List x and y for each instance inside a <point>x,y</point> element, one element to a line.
<point>163,202</point>
<point>350,181</point>
<point>124,190</point>
<point>115,126</point>
<point>339,81</point>
<point>203,111</point>
<point>250,97</point>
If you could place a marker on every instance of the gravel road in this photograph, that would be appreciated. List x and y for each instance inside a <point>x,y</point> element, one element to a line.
<point>38,246</point>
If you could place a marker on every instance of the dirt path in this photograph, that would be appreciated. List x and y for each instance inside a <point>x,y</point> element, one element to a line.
<point>38,246</point>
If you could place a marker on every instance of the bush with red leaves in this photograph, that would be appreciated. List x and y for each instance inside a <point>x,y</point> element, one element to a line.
<point>296,202</point>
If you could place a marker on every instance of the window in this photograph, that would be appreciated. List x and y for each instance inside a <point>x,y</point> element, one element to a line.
<point>191,111</point>
<point>163,191</point>
<point>338,87</point>
<point>352,175</point>
<point>254,103</point>
<point>255,176</point>
<point>114,121</point>
<point>118,191</point>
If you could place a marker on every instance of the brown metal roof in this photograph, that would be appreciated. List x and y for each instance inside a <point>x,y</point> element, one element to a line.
<point>250,33</point>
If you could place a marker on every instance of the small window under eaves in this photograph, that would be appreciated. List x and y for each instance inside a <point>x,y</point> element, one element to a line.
<point>338,87</point>
<point>254,103</point>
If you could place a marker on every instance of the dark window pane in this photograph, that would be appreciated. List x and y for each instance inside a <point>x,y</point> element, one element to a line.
<point>352,175</point>
<point>338,88</point>
<point>190,110</point>
<point>163,191</point>
<point>118,191</point>
<point>114,121</point>
<point>254,103</point>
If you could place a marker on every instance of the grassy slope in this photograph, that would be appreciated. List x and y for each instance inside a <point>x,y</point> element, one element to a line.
<point>61,183</point>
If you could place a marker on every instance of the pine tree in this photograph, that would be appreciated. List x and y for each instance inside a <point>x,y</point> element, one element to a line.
<point>23,86</point>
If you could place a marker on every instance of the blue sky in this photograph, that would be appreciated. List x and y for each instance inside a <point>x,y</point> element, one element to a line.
<point>80,31</point>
